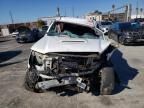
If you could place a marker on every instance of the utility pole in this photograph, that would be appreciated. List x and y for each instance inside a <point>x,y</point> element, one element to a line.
<point>58,12</point>
<point>12,20</point>
<point>126,13</point>
<point>109,16</point>
<point>65,12</point>
<point>113,8</point>
<point>130,11</point>
<point>137,9</point>
<point>141,10</point>
<point>73,11</point>
<point>11,17</point>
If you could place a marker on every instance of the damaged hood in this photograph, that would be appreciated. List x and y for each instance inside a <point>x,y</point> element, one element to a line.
<point>66,44</point>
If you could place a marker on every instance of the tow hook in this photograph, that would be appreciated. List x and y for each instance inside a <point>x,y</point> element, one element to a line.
<point>81,85</point>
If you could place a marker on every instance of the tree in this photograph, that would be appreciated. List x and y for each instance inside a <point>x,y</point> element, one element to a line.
<point>137,9</point>
<point>41,23</point>
<point>97,12</point>
<point>113,8</point>
<point>141,10</point>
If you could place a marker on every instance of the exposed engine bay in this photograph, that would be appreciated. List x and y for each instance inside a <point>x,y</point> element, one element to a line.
<point>63,63</point>
<point>63,68</point>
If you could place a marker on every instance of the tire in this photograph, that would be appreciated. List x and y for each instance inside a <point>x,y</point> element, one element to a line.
<point>121,40</point>
<point>107,81</point>
<point>31,79</point>
<point>109,35</point>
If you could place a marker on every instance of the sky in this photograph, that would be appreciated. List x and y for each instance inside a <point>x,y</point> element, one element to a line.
<point>31,10</point>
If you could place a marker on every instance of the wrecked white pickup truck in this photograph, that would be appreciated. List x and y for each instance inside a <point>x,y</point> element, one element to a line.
<point>73,52</point>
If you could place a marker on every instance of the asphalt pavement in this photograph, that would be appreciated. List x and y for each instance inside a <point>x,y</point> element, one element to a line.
<point>128,62</point>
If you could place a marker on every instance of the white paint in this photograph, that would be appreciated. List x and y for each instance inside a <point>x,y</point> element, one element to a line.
<point>5,31</point>
<point>80,21</point>
<point>66,44</point>
<point>137,16</point>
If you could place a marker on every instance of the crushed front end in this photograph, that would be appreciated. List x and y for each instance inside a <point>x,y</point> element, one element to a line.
<point>59,69</point>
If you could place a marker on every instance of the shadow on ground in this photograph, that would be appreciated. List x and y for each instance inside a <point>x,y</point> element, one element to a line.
<point>4,56</point>
<point>136,44</point>
<point>4,40</point>
<point>11,63</point>
<point>65,90</point>
<point>123,70</point>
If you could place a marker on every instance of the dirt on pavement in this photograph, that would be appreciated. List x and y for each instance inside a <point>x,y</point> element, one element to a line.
<point>128,62</point>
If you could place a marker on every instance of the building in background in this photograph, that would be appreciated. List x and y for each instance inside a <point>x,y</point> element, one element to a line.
<point>122,13</point>
<point>7,29</point>
<point>0,31</point>
<point>136,16</point>
<point>94,16</point>
<point>101,16</point>
<point>4,30</point>
<point>114,17</point>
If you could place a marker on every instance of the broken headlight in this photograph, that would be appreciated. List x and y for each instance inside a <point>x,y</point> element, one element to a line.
<point>42,60</point>
<point>37,58</point>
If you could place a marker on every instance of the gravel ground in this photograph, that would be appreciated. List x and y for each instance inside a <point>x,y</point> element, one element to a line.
<point>128,62</point>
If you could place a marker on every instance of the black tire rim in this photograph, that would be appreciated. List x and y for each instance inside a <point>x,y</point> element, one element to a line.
<point>121,40</point>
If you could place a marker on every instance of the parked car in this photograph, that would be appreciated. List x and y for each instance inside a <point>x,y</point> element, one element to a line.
<point>43,30</point>
<point>72,52</point>
<point>139,20</point>
<point>15,33</point>
<point>126,32</point>
<point>104,26</point>
<point>25,35</point>
<point>35,34</point>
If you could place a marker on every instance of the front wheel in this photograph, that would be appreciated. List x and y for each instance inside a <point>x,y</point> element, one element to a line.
<point>107,81</point>
<point>109,35</point>
<point>121,40</point>
<point>31,79</point>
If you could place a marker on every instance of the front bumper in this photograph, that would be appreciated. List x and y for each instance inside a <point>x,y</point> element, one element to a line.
<point>21,39</point>
<point>71,80</point>
<point>134,38</point>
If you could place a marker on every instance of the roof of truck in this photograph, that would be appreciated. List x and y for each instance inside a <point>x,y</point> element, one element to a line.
<point>80,21</point>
